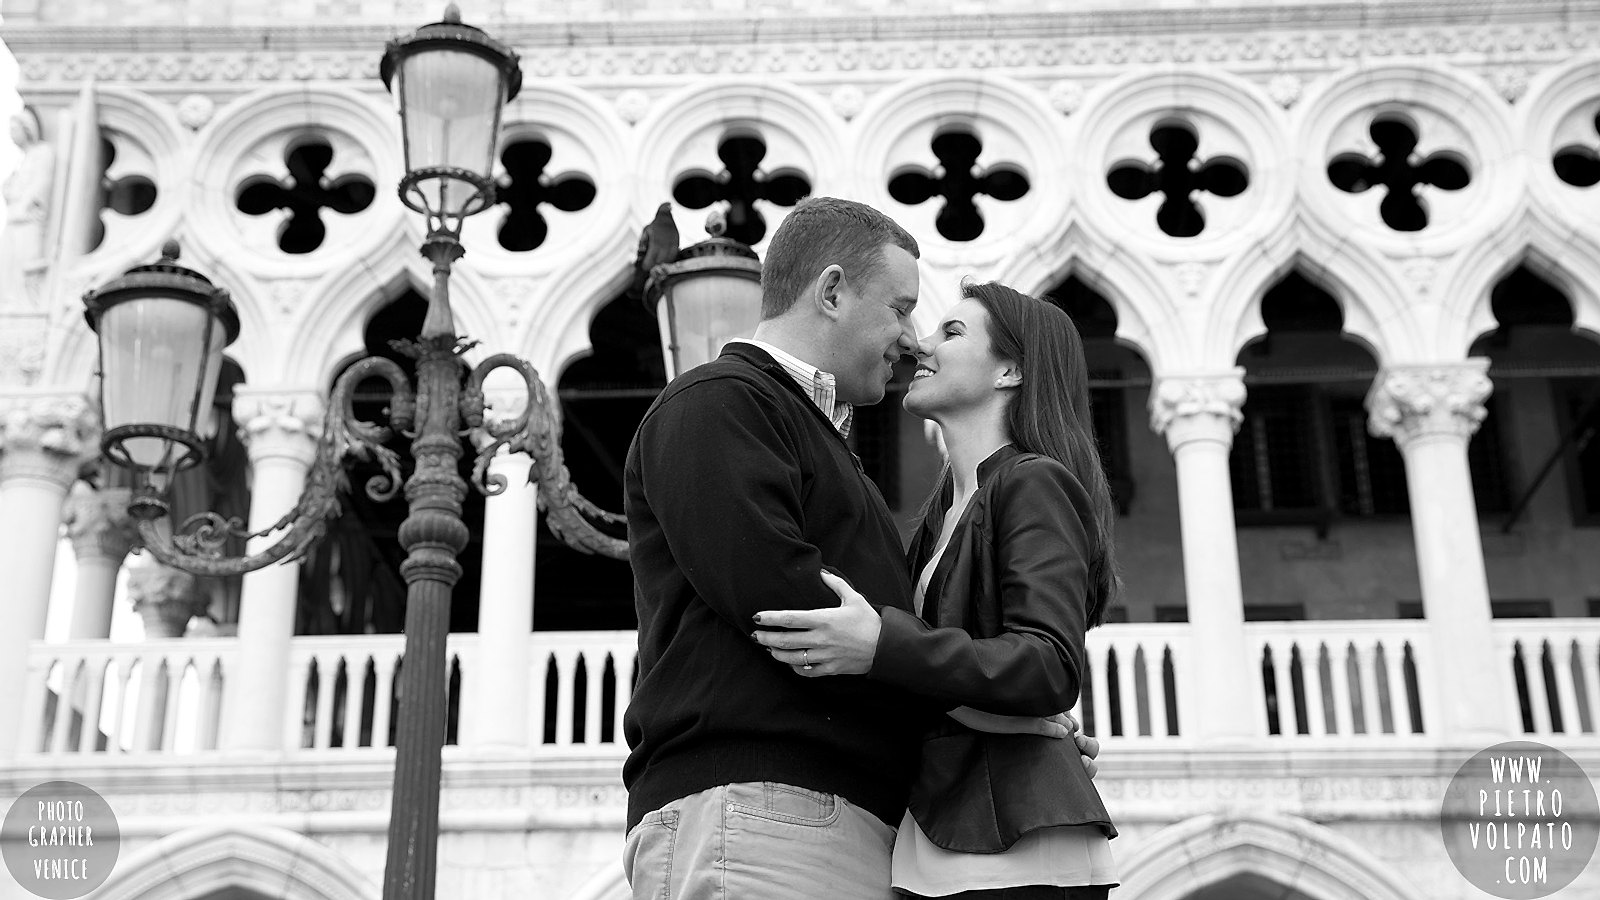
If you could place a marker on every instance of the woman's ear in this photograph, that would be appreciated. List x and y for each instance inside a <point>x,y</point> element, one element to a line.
<point>1009,378</point>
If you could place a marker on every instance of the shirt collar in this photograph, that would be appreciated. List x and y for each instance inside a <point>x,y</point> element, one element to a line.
<point>820,386</point>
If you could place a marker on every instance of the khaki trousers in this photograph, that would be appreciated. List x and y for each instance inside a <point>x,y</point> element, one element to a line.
<point>763,841</point>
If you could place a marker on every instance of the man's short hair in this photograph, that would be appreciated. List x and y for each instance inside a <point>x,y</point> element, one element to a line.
<point>820,232</point>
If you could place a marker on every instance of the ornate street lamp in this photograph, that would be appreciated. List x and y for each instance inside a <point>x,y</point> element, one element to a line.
<point>707,296</point>
<point>162,330</point>
<point>450,82</point>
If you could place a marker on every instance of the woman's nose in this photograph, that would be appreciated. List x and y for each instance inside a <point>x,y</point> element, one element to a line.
<point>923,348</point>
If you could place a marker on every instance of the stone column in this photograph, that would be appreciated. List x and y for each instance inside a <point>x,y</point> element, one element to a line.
<point>1431,411</point>
<point>166,599</point>
<point>102,536</point>
<point>281,430</point>
<point>1199,415</point>
<point>495,709</point>
<point>44,440</point>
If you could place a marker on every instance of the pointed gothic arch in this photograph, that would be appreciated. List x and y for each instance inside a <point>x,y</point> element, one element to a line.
<point>1368,299</point>
<point>1291,851</point>
<point>1568,260</point>
<point>193,863</point>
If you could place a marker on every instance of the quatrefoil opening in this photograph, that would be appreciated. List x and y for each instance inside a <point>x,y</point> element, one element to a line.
<point>960,181</point>
<point>1579,164</point>
<point>306,194</point>
<point>526,186</point>
<point>741,184</point>
<point>1177,176</point>
<point>1402,208</point>
<point>129,195</point>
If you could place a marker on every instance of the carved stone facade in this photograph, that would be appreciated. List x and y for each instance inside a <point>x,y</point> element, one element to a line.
<point>1410,403</point>
<point>47,437</point>
<point>216,114</point>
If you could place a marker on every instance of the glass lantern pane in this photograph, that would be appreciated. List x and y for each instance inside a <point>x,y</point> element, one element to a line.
<point>452,102</point>
<point>151,352</point>
<point>712,308</point>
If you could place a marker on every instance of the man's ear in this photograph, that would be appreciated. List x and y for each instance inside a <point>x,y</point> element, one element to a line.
<point>1009,378</point>
<point>826,291</point>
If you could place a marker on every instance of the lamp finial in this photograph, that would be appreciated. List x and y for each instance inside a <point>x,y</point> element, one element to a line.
<point>716,222</point>
<point>452,14</point>
<point>169,250</point>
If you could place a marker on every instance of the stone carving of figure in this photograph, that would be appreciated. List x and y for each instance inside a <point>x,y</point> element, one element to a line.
<point>27,195</point>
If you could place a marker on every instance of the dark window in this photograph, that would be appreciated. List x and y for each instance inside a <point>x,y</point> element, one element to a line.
<point>1274,612</point>
<point>1486,457</point>
<point>1304,455</point>
<point>1107,409</point>
<point>1499,609</point>
<point>1274,461</point>
<point>1578,415</point>
<point>1372,474</point>
<point>1172,613</point>
<point>1521,609</point>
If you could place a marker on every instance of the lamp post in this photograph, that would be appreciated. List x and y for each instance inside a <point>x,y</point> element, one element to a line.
<point>707,296</point>
<point>162,329</point>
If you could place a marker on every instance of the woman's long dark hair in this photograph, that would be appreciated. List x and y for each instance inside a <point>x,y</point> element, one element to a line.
<point>1049,414</point>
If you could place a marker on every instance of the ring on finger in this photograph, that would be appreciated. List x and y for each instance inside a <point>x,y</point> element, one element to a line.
<point>805,659</point>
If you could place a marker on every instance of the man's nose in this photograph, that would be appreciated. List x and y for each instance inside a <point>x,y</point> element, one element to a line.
<point>908,340</point>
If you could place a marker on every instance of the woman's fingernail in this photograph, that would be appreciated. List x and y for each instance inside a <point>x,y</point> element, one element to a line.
<point>756,618</point>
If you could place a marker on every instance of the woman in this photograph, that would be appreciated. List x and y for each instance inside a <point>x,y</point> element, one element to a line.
<point>1014,561</point>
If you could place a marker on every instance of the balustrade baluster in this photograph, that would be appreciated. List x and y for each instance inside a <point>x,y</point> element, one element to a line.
<point>1156,685</point>
<point>1538,689</point>
<point>114,742</point>
<point>327,679</point>
<point>1395,675</point>
<point>1339,670</point>
<point>567,674</point>
<point>295,709</point>
<point>176,667</point>
<point>1283,688</point>
<point>63,722</point>
<point>1311,679</point>
<point>94,693</point>
<point>1565,688</point>
<point>384,664</point>
<point>596,665</point>
<point>1127,688</point>
<point>209,671</point>
<point>1588,649</point>
<point>1367,671</point>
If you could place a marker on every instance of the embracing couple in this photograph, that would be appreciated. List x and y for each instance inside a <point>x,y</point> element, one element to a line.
<point>820,714</point>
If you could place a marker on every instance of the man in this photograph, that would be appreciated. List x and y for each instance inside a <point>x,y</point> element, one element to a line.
<point>746,780</point>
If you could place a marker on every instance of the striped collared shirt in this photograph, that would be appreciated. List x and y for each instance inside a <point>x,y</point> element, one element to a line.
<point>818,385</point>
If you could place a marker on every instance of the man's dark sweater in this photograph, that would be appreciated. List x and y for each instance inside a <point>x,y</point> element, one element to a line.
<point>738,490</point>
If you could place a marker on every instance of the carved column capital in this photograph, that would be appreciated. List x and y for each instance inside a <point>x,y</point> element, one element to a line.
<point>47,437</point>
<point>277,423</point>
<point>1199,407</point>
<point>1440,400</point>
<point>165,598</point>
<point>98,523</point>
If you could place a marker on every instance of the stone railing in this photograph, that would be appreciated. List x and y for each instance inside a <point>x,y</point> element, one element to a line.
<point>1555,664</point>
<point>1364,680</point>
<point>1368,681</point>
